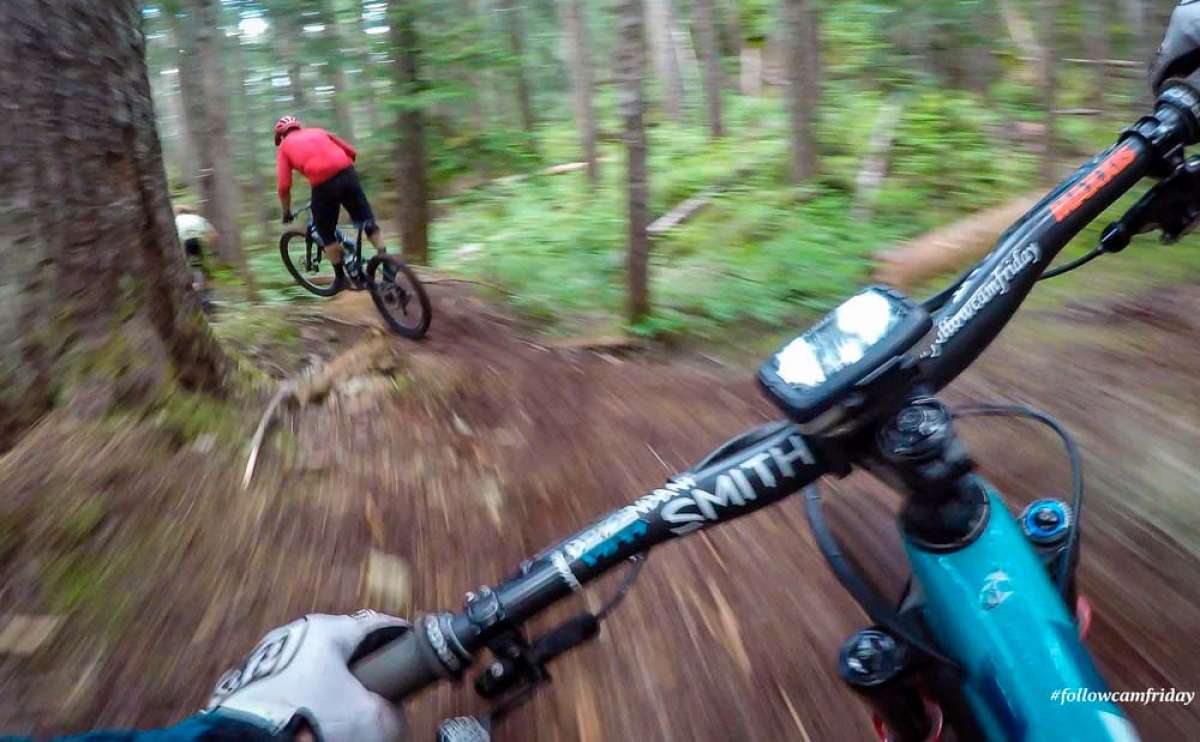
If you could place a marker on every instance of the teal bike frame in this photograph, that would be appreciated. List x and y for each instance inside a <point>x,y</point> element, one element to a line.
<point>993,607</point>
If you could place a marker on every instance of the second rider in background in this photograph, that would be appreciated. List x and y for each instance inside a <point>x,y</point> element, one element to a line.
<point>327,162</point>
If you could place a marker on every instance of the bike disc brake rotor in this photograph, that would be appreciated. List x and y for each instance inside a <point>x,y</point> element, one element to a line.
<point>394,297</point>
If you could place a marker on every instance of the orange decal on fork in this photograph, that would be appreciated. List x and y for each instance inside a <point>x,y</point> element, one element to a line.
<point>1078,194</point>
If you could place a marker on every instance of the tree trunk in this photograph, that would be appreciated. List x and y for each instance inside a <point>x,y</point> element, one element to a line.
<point>732,38</point>
<point>181,135</point>
<point>1098,47</point>
<point>706,29</point>
<point>95,305</point>
<point>1048,16</point>
<point>516,41</point>
<point>191,96</point>
<point>579,56</point>
<point>218,188</point>
<point>289,33</point>
<point>467,71</point>
<point>750,70</point>
<point>803,69</point>
<point>336,40</point>
<point>413,190</point>
<point>660,18</point>
<point>630,72</point>
<point>260,183</point>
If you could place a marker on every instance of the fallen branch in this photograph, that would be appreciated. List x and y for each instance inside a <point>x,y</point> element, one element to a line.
<point>314,383</point>
<point>286,390</point>
<point>1079,111</point>
<point>1106,62</point>
<point>680,214</point>
<point>950,247</point>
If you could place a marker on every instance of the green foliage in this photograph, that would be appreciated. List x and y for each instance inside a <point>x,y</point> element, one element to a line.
<point>946,160</point>
<point>761,251</point>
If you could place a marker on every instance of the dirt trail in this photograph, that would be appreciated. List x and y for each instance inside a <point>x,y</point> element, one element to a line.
<point>477,447</point>
<point>731,635</point>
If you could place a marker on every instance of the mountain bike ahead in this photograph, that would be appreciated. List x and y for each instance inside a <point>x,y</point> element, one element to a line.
<point>395,289</point>
<point>990,626</point>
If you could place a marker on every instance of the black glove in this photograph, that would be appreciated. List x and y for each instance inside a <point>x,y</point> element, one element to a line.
<point>1179,53</point>
<point>288,216</point>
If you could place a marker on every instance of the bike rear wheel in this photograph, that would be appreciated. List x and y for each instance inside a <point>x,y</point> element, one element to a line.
<point>309,265</point>
<point>399,296</point>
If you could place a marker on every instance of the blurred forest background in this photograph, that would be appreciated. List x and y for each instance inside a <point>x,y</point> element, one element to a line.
<point>783,143</point>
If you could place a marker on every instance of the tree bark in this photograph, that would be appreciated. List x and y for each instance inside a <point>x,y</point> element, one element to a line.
<point>516,41</point>
<point>342,107</point>
<point>1098,47</point>
<point>732,38</point>
<point>288,33</point>
<point>180,134</point>
<point>191,96</point>
<point>579,56</point>
<point>218,188</point>
<point>630,72</point>
<point>803,68</point>
<point>1048,17</point>
<point>412,186</point>
<point>710,50</point>
<point>95,305</point>
<point>660,17</point>
<point>260,183</point>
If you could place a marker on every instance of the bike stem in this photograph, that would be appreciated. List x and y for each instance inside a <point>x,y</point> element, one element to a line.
<point>919,454</point>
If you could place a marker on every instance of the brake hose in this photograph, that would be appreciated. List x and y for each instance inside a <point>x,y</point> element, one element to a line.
<point>1073,455</point>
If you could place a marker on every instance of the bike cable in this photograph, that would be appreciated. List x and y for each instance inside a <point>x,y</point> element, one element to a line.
<point>1073,455</point>
<point>1087,257</point>
<point>639,561</point>
<point>871,603</point>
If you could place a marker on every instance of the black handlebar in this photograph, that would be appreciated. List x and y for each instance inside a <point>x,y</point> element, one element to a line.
<point>773,463</point>
<point>402,667</point>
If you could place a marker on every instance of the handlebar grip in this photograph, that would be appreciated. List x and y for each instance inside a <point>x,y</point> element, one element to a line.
<point>400,668</point>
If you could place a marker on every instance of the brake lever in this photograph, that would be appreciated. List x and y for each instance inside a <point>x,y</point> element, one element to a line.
<point>1172,207</point>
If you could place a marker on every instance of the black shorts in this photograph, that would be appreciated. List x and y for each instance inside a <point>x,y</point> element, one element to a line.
<point>330,196</point>
<point>192,249</point>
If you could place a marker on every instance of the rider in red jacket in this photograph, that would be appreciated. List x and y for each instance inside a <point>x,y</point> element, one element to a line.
<point>327,162</point>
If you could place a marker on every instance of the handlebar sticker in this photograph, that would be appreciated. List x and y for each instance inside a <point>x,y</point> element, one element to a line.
<point>1103,174</point>
<point>630,534</point>
<point>683,506</point>
<point>996,283</point>
<point>733,487</point>
<point>564,571</point>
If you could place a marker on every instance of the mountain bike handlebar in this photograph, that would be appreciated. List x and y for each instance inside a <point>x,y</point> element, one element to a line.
<point>775,461</point>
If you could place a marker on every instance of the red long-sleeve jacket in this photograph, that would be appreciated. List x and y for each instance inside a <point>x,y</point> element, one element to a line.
<point>316,153</point>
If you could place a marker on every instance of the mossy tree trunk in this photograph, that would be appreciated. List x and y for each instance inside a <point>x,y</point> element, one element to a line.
<point>95,308</point>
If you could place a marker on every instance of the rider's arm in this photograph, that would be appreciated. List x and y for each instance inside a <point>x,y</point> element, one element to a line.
<point>295,686</point>
<point>199,728</point>
<point>283,173</point>
<point>346,147</point>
